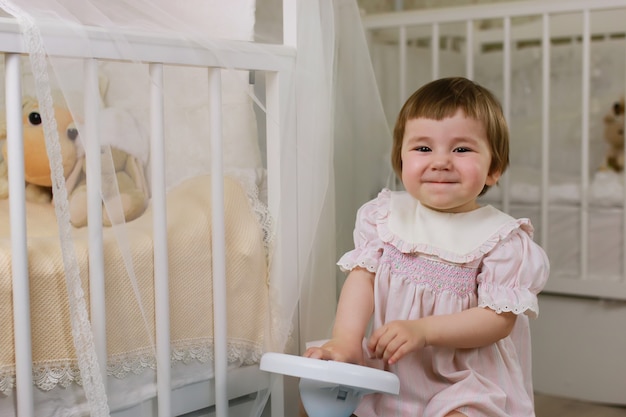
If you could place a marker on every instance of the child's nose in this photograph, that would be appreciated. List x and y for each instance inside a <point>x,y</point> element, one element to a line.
<point>441,161</point>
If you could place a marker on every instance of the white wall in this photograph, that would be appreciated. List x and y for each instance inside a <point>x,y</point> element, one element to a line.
<point>578,349</point>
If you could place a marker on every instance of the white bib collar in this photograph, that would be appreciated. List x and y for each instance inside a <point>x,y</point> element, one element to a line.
<point>459,233</point>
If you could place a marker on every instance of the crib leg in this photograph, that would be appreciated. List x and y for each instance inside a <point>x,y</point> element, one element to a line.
<point>277,397</point>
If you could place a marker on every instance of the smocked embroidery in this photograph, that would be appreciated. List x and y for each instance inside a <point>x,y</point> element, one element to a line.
<point>439,276</point>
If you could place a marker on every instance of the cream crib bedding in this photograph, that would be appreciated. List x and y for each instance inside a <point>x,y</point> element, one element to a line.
<point>129,336</point>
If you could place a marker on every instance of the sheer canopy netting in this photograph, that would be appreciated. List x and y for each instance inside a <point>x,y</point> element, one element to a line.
<point>331,103</point>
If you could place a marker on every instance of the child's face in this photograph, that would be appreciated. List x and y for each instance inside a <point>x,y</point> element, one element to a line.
<point>445,163</point>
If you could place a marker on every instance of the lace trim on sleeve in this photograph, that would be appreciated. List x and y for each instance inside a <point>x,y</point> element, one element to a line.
<point>346,264</point>
<point>504,300</point>
<point>368,248</point>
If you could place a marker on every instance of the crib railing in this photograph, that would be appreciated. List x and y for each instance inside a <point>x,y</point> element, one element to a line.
<point>432,29</point>
<point>277,63</point>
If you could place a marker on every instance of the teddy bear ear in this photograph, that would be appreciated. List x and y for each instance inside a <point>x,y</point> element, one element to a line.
<point>29,103</point>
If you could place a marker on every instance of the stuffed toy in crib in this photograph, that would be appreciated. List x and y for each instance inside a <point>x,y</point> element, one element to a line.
<point>123,159</point>
<point>119,133</point>
<point>36,164</point>
<point>614,136</point>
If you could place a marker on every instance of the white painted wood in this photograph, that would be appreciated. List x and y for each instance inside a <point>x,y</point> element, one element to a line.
<point>220,316</point>
<point>282,200</point>
<point>434,48</point>
<point>93,170</point>
<point>545,127</point>
<point>506,102</point>
<point>159,226</point>
<point>488,11</point>
<point>290,23</point>
<point>402,66</point>
<point>19,258</point>
<point>584,169</point>
<point>469,49</point>
<point>155,48</point>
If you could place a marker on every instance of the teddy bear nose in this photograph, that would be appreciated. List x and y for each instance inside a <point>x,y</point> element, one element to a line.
<point>72,133</point>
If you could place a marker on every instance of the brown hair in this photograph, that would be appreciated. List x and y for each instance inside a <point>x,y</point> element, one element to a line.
<point>442,98</point>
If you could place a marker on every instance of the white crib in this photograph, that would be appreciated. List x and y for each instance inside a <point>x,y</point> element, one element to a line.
<point>227,387</point>
<point>557,67</point>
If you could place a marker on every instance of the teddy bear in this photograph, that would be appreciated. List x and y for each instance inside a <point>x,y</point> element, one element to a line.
<point>614,136</point>
<point>37,172</point>
<point>118,160</point>
<point>124,186</point>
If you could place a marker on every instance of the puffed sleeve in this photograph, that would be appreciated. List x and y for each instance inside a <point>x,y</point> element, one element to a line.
<point>512,275</point>
<point>367,244</point>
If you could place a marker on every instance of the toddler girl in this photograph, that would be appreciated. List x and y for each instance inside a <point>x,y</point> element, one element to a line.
<point>450,283</point>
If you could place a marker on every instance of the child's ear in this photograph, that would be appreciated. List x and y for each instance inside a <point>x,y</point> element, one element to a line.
<point>492,178</point>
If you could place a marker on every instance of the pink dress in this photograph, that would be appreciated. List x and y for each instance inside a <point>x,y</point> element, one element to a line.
<point>428,263</point>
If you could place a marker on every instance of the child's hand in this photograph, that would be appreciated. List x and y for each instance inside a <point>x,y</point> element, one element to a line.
<point>395,339</point>
<point>337,350</point>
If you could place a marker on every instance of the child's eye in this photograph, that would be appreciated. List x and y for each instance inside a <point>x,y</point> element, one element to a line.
<point>422,149</point>
<point>462,149</point>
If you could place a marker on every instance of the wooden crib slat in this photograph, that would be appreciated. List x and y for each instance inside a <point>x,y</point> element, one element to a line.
<point>623,271</point>
<point>506,101</point>
<point>435,50</point>
<point>218,243</point>
<point>402,46</point>
<point>159,224</point>
<point>469,49</point>
<point>290,22</point>
<point>282,157</point>
<point>584,180</point>
<point>545,129</point>
<point>19,258</point>
<point>91,141</point>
